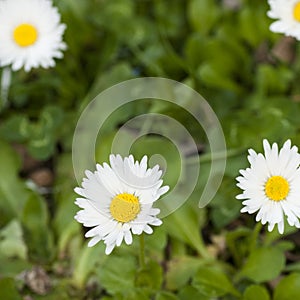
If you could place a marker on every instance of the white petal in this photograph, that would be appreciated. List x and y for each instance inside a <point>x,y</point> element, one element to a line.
<point>284,162</point>
<point>109,249</point>
<point>45,18</point>
<point>94,241</point>
<point>98,189</point>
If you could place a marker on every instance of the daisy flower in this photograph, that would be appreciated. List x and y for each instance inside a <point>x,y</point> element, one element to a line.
<point>30,35</point>
<point>118,201</point>
<point>287,13</point>
<point>271,186</point>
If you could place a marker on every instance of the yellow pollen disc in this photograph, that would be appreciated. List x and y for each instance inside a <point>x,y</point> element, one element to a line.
<point>297,11</point>
<point>277,188</point>
<point>25,35</point>
<point>124,207</point>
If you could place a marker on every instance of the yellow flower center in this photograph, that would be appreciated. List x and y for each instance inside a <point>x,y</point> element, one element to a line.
<point>277,188</point>
<point>25,35</point>
<point>297,11</point>
<point>124,207</point>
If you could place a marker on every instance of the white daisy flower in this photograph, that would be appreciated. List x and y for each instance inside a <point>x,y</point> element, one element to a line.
<point>271,185</point>
<point>30,35</point>
<point>118,201</point>
<point>287,13</point>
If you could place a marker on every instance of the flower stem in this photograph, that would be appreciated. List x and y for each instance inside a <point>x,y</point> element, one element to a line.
<point>5,83</point>
<point>255,236</point>
<point>207,157</point>
<point>142,251</point>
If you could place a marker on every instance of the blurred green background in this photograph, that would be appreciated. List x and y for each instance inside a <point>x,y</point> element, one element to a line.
<point>250,77</point>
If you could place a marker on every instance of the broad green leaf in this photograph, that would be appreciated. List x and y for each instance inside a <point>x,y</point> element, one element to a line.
<point>64,224</point>
<point>37,234</point>
<point>203,14</point>
<point>13,192</point>
<point>116,74</point>
<point>293,267</point>
<point>256,292</point>
<point>8,290</point>
<point>238,242</point>
<point>210,74</point>
<point>225,208</point>
<point>180,270</point>
<point>11,266</point>
<point>15,128</point>
<point>151,276</point>
<point>52,117</point>
<point>213,282</point>
<point>42,145</point>
<point>166,296</point>
<point>191,293</point>
<point>253,24</point>
<point>117,274</point>
<point>184,225</point>
<point>12,242</point>
<point>135,294</point>
<point>273,80</point>
<point>88,259</point>
<point>288,288</point>
<point>264,264</point>
<point>156,242</point>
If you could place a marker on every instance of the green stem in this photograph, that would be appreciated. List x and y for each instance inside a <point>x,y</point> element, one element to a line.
<point>255,235</point>
<point>142,251</point>
<point>216,155</point>
<point>5,84</point>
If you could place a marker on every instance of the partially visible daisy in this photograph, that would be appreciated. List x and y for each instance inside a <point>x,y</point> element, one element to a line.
<point>118,201</point>
<point>271,186</point>
<point>287,13</point>
<point>30,35</point>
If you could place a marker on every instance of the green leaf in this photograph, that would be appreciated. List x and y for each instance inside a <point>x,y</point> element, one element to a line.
<point>118,73</point>
<point>157,241</point>
<point>117,274</point>
<point>271,79</point>
<point>224,206</point>
<point>293,267</point>
<point>180,270</point>
<point>42,146</point>
<point>11,267</point>
<point>253,24</point>
<point>288,288</point>
<point>191,293</point>
<point>37,234</point>
<point>213,282</point>
<point>8,290</point>
<point>151,276</point>
<point>11,241</point>
<point>87,260</point>
<point>13,192</point>
<point>203,14</point>
<point>15,128</point>
<point>238,242</point>
<point>52,117</point>
<point>184,225</point>
<point>166,296</point>
<point>264,264</point>
<point>256,292</point>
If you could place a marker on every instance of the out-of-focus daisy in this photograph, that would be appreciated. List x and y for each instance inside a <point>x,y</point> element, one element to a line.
<point>271,185</point>
<point>118,201</point>
<point>30,35</point>
<point>287,13</point>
